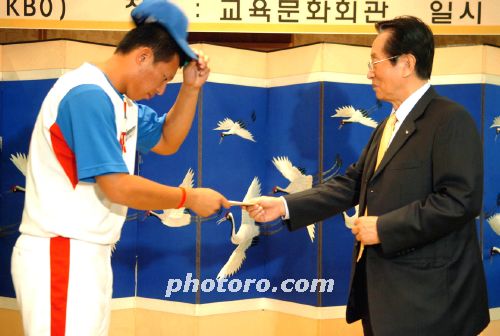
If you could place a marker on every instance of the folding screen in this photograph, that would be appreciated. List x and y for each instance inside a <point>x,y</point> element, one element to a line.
<point>291,120</point>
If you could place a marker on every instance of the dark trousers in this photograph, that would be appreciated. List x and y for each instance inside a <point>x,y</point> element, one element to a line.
<point>367,327</point>
<point>362,297</point>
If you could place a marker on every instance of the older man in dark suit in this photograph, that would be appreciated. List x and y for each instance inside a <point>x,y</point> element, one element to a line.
<point>417,268</point>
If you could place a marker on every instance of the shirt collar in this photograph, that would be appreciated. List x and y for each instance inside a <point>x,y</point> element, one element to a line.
<point>410,102</point>
<point>107,79</point>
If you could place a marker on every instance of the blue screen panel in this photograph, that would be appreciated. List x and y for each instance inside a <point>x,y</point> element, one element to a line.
<point>293,128</point>
<point>491,191</point>
<point>20,103</point>
<point>230,163</point>
<point>124,257</point>
<point>165,253</point>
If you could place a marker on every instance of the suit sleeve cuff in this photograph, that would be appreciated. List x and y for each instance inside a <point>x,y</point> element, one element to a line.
<point>287,213</point>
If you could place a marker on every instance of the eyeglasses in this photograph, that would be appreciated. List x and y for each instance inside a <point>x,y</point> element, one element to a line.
<point>371,64</point>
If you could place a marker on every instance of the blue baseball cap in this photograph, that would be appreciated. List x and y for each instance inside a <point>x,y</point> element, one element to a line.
<point>169,16</point>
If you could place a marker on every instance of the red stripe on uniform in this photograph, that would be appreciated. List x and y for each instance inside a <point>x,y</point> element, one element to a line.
<point>59,277</point>
<point>64,154</point>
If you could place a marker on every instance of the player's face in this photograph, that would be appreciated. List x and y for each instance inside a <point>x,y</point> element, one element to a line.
<point>153,77</point>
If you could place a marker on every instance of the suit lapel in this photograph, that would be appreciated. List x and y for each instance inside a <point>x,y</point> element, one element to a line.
<point>405,131</point>
<point>371,156</point>
<point>369,166</point>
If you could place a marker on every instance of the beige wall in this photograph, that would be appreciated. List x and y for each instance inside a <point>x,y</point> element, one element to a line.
<point>17,60</point>
<point>263,41</point>
<point>260,323</point>
<point>10,322</point>
<point>141,322</point>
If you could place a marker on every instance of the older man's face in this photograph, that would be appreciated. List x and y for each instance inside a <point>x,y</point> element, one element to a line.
<point>385,76</point>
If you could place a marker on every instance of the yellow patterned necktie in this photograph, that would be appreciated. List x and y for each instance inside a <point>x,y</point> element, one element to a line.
<point>382,148</point>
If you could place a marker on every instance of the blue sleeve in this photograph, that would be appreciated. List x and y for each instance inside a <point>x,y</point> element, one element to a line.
<point>150,127</point>
<point>86,118</point>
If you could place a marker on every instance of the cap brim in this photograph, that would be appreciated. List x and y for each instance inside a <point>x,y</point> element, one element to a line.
<point>186,48</point>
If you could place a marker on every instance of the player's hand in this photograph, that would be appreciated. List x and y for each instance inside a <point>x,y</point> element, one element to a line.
<point>196,72</point>
<point>205,201</point>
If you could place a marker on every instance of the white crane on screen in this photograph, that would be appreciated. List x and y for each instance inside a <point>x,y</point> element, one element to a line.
<point>233,128</point>
<point>494,222</point>
<point>343,112</point>
<point>21,162</point>
<point>298,182</point>
<point>245,237</point>
<point>496,126</point>
<point>177,217</point>
<point>352,115</point>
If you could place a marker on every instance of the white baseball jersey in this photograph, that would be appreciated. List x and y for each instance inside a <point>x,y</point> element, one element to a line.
<point>85,128</point>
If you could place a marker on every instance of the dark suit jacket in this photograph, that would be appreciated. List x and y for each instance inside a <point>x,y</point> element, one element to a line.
<point>426,277</point>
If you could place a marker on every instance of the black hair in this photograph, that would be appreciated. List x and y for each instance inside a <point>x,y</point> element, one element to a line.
<point>154,36</point>
<point>410,35</point>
